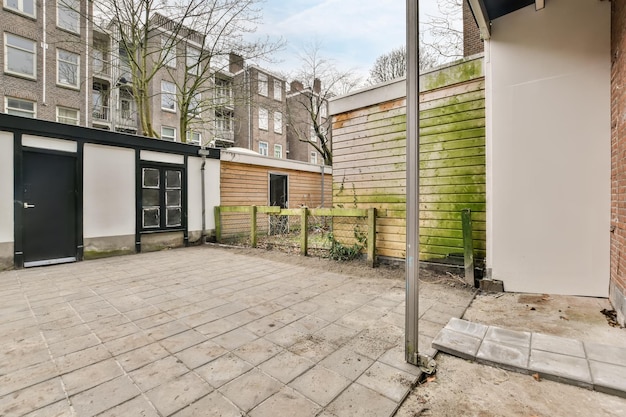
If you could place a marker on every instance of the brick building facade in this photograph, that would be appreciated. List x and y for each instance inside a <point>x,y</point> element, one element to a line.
<point>44,72</point>
<point>472,43</point>
<point>618,159</point>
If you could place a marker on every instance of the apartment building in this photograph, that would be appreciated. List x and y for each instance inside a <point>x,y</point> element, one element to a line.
<point>303,106</point>
<point>260,109</point>
<point>45,65</point>
<point>74,72</point>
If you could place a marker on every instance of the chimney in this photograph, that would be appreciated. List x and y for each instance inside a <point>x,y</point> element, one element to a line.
<point>317,85</point>
<point>235,62</point>
<point>296,86</point>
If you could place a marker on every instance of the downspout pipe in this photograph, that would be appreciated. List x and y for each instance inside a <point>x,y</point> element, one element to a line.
<point>203,152</point>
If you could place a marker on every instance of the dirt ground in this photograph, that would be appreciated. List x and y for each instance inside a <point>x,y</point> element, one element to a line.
<point>463,388</point>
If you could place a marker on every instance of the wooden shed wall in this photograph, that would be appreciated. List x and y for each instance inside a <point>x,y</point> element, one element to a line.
<point>247,184</point>
<point>369,155</point>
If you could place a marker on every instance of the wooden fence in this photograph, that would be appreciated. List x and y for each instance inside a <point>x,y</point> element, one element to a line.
<point>304,213</point>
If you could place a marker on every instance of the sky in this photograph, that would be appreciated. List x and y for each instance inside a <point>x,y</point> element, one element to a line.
<point>352,33</point>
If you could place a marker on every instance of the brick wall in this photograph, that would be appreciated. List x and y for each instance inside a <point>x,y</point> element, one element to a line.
<point>618,159</point>
<point>472,44</point>
<point>32,89</point>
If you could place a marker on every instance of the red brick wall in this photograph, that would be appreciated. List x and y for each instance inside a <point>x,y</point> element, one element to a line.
<point>618,156</point>
<point>472,44</point>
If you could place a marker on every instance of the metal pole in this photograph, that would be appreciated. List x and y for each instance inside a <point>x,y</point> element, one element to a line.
<point>412,181</point>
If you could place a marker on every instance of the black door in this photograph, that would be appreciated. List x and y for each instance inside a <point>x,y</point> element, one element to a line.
<point>278,190</point>
<point>49,209</point>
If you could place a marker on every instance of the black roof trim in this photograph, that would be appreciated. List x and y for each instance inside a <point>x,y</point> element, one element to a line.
<point>56,130</point>
<point>499,8</point>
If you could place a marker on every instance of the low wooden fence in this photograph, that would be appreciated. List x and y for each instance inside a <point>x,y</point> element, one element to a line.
<point>305,214</point>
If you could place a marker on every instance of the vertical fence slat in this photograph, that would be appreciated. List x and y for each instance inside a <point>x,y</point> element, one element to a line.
<point>468,246</point>
<point>304,231</point>
<point>253,231</point>
<point>371,237</point>
<point>218,224</point>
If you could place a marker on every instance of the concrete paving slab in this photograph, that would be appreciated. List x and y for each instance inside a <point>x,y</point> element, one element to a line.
<point>286,402</point>
<point>91,376</point>
<point>224,369</point>
<point>455,343</point>
<point>257,351</point>
<point>138,406</point>
<point>556,344</point>
<point>104,396</point>
<point>502,355</point>
<point>320,385</point>
<point>561,368</point>
<point>214,404</point>
<point>250,389</point>
<point>467,327</point>
<point>286,366</point>
<point>361,401</point>
<point>348,363</point>
<point>603,353</point>
<point>158,372</point>
<point>608,378</point>
<point>388,381</point>
<point>508,337</point>
<point>174,395</point>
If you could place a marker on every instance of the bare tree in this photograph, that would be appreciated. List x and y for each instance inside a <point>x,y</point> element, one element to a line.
<point>393,65</point>
<point>317,80</point>
<point>444,33</point>
<point>188,40</point>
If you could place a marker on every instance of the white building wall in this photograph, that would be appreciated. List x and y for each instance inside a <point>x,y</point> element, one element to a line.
<point>6,195</point>
<point>194,192</point>
<point>108,191</point>
<point>549,148</point>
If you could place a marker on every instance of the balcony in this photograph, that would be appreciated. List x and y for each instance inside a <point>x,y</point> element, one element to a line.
<point>225,135</point>
<point>100,114</point>
<point>224,100</point>
<point>101,68</point>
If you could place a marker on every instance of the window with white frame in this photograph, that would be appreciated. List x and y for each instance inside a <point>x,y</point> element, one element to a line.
<point>19,107</point>
<point>263,148</point>
<point>169,49</point>
<point>20,56</point>
<point>68,15</point>
<point>278,90</point>
<point>67,115</point>
<point>168,96</point>
<point>195,109</point>
<point>312,134</point>
<point>278,122</point>
<point>263,116</point>
<point>192,60</point>
<point>262,78</point>
<point>67,68</point>
<point>26,7</point>
<point>168,133</point>
<point>314,157</point>
<point>278,151</point>
<point>194,137</point>
<point>324,110</point>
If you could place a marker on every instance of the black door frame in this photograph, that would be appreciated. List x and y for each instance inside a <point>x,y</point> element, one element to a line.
<point>18,190</point>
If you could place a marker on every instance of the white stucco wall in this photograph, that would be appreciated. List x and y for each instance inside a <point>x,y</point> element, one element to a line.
<point>194,192</point>
<point>6,187</point>
<point>548,88</point>
<point>108,191</point>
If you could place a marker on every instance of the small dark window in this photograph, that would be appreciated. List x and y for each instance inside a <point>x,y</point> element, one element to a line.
<point>161,198</point>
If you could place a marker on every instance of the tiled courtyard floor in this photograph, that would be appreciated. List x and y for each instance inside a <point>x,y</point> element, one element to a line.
<point>205,331</point>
